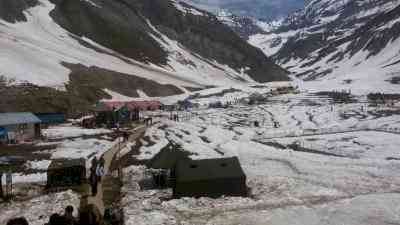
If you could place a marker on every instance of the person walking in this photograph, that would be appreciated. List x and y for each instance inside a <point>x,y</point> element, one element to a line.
<point>93,183</point>
<point>100,169</point>
<point>93,176</point>
<point>1,185</point>
<point>94,164</point>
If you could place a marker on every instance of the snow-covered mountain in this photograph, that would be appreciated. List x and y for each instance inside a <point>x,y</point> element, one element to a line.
<point>350,44</point>
<point>158,47</point>
<point>243,26</point>
<point>265,10</point>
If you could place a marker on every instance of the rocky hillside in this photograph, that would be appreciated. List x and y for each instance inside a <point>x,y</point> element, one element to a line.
<point>242,26</point>
<point>347,43</point>
<point>162,44</point>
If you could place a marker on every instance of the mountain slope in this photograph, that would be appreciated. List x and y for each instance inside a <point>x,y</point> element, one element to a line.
<point>159,40</point>
<point>346,44</point>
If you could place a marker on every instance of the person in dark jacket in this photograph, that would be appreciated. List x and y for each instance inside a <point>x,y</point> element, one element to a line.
<point>71,220</point>
<point>93,183</point>
<point>1,185</point>
<point>56,219</point>
<point>93,180</point>
<point>18,221</point>
<point>89,215</point>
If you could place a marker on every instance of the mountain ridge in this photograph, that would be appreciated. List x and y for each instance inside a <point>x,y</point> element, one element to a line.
<point>347,43</point>
<point>166,42</point>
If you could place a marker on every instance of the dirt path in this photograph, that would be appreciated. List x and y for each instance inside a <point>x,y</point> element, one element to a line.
<point>108,157</point>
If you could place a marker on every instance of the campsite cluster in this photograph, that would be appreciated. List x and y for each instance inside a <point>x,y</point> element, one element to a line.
<point>221,156</point>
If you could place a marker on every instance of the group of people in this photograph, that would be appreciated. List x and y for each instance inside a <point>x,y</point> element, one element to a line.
<point>55,219</point>
<point>96,173</point>
<point>88,215</point>
<point>175,118</point>
<point>148,121</point>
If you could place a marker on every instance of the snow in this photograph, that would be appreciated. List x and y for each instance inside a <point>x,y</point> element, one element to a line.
<point>265,41</point>
<point>82,148</point>
<point>185,9</point>
<point>142,94</point>
<point>366,73</point>
<point>196,67</point>
<point>92,3</point>
<point>33,51</point>
<point>38,165</point>
<point>348,179</point>
<point>18,178</point>
<point>241,91</point>
<point>69,130</point>
<point>117,97</point>
<point>38,210</point>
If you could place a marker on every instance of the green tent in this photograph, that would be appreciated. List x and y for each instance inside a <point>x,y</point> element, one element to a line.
<point>209,178</point>
<point>66,172</point>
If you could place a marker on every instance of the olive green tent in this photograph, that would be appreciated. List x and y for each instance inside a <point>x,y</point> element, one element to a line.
<point>66,172</point>
<point>209,178</point>
<point>167,158</point>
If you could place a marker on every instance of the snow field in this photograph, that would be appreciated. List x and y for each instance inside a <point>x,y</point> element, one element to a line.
<point>287,186</point>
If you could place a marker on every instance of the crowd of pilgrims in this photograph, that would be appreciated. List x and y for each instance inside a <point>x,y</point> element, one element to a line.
<point>89,215</point>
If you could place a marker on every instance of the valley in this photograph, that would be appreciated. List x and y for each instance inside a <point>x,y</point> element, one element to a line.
<point>144,112</point>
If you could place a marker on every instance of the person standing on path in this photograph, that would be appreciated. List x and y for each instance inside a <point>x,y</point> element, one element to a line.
<point>1,185</point>
<point>100,169</point>
<point>69,217</point>
<point>93,176</point>
<point>94,165</point>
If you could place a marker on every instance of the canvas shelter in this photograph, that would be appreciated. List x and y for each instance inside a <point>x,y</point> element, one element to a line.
<point>162,165</point>
<point>209,178</point>
<point>66,172</point>
<point>167,158</point>
<point>19,127</point>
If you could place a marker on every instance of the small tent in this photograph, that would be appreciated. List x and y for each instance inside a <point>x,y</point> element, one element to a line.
<point>209,178</point>
<point>66,172</point>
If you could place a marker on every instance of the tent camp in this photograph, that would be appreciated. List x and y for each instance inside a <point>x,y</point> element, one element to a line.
<point>164,163</point>
<point>167,158</point>
<point>209,178</point>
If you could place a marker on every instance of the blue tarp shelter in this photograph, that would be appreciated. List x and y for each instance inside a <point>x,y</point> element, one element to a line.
<point>51,118</point>
<point>3,132</point>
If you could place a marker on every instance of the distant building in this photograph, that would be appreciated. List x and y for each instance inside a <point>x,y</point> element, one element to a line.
<point>112,112</point>
<point>19,127</point>
<point>51,118</point>
<point>209,178</point>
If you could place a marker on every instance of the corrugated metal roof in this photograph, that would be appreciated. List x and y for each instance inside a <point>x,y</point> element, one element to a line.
<point>18,118</point>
